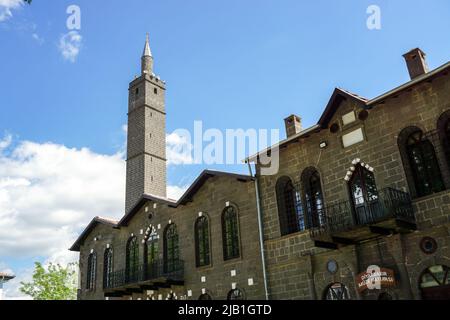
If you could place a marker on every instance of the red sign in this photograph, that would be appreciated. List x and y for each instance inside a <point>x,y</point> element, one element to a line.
<point>375,278</point>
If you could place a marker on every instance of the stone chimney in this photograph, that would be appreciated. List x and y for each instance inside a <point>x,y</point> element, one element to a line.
<point>293,125</point>
<point>416,63</point>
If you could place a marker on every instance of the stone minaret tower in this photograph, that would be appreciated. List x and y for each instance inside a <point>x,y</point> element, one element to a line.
<point>146,148</point>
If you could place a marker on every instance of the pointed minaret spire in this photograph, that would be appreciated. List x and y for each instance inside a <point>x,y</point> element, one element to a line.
<point>147,51</point>
<point>147,59</point>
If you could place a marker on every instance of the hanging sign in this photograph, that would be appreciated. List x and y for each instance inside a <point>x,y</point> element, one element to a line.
<point>375,278</point>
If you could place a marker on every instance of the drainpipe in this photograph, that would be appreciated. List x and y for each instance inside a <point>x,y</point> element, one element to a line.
<point>260,228</point>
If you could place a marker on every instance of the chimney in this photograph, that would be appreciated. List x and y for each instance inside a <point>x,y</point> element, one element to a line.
<point>416,63</point>
<point>293,125</point>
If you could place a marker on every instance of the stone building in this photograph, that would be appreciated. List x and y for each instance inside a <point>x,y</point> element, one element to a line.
<point>205,245</point>
<point>359,209</point>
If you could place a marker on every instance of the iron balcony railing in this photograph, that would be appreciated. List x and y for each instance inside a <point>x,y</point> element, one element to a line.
<point>159,269</point>
<point>345,216</point>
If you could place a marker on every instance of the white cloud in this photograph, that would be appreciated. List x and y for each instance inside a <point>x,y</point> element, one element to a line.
<point>48,195</point>
<point>11,288</point>
<point>38,38</point>
<point>178,149</point>
<point>48,192</point>
<point>5,142</point>
<point>175,192</point>
<point>70,45</point>
<point>4,269</point>
<point>6,7</point>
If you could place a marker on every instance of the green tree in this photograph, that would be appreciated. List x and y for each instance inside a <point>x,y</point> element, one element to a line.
<point>54,283</point>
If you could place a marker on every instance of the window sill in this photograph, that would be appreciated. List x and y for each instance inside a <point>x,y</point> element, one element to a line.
<point>204,268</point>
<point>232,260</point>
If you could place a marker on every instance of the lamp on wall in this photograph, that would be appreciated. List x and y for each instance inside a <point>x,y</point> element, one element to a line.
<point>323,145</point>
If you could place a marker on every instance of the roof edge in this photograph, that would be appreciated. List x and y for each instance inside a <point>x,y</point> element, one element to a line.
<point>366,102</point>
<point>193,188</point>
<point>96,220</point>
<point>408,84</point>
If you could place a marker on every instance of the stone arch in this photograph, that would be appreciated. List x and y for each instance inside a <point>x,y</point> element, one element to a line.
<point>416,271</point>
<point>313,196</point>
<point>287,202</point>
<point>413,140</point>
<point>352,168</point>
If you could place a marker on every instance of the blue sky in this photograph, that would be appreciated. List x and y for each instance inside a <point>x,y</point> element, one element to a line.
<point>231,64</point>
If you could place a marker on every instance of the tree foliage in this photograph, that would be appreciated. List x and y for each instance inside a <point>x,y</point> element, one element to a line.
<point>52,283</point>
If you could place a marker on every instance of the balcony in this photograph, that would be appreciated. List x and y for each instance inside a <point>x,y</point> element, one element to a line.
<point>152,276</point>
<point>344,223</point>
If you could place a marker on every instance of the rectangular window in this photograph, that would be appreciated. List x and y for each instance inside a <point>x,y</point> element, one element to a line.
<point>352,138</point>
<point>348,118</point>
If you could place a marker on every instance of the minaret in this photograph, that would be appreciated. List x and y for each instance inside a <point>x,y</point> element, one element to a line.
<point>147,58</point>
<point>146,142</point>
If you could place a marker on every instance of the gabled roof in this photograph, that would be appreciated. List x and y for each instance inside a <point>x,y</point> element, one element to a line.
<point>186,197</point>
<point>94,222</point>
<point>337,97</point>
<point>340,95</point>
<point>143,200</point>
<point>205,175</point>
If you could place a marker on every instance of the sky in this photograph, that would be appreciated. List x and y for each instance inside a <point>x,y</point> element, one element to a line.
<point>230,64</point>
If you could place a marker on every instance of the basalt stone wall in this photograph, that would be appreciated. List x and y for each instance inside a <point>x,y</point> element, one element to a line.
<point>216,279</point>
<point>297,268</point>
<point>96,243</point>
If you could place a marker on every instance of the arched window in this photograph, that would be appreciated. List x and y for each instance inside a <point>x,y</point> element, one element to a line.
<point>290,210</point>
<point>132,260</point>
<point>151,252</point>
<point>314,197</point>
<point>235,294</point>
<point>444,134</point>
<point>91,271</point>
<point>107,268</point>
<point>336,291</point>
<point>420,162</point>
<point>171,249</point>
<point>435,283</point>
<point>364,195</point>
<point>202,250</point>
<point>230,233</point>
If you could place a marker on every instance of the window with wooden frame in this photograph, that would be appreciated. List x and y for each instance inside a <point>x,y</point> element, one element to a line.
<point>290,209</point>
<point>420,163</point>
<point>364,196</point>
<point>91,271</point>
<point>202,246</point>
<point>132,260</point>
<point>313,197</point>
<point>230,233</point>
<point>107,268</point>
<point>171,248</point>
